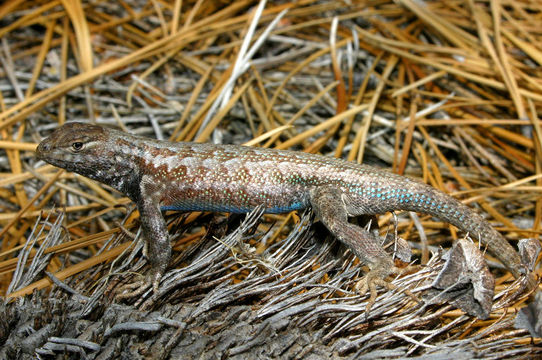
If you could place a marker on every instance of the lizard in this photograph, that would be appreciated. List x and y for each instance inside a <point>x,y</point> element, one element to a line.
<point>186,176</point>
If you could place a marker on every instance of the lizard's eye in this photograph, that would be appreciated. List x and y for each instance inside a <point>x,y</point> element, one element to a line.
<point>78,145</point>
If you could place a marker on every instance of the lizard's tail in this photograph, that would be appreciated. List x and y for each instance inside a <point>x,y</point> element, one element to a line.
<point>426,199</point>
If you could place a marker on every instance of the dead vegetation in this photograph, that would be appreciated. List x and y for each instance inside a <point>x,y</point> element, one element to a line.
<point>448,91</point>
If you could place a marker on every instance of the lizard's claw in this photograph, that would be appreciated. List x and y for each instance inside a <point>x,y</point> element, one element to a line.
<point>156,282</point>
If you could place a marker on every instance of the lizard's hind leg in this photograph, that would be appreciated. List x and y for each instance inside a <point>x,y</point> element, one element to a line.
<point>329,206</point>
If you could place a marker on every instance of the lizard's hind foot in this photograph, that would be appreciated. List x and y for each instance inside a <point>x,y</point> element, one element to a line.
<point>137,288</point>
<point>379,277</point>
<point>132,290</point>
<point>375,277</point>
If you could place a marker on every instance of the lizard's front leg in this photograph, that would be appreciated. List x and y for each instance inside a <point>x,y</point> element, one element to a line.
<point>328,204</point>
<point>155,234</point>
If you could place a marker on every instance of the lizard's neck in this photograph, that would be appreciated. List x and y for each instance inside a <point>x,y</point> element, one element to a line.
<point>133,157</point>
<point>117,165</point>
<point>125,159</point>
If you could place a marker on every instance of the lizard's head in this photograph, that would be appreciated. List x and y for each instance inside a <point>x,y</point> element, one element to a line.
<point>101,154</point>
<point>76,147</point>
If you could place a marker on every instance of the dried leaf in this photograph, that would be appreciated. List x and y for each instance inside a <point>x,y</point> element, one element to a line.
<point>465,280</point>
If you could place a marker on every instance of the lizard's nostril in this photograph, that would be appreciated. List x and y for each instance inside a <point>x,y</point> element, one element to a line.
<point>43,147</point>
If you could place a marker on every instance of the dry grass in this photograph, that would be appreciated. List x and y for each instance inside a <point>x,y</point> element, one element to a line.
<point>448,91</point>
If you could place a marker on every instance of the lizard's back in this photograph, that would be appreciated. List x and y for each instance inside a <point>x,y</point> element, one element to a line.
<point>238,178</point>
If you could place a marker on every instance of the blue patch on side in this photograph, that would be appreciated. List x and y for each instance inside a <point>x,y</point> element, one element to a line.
<point>205,207</point>
<point>231,209</point>
<point>285,209</point>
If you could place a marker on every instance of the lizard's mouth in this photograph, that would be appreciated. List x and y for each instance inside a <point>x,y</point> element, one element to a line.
<point>45,152</point>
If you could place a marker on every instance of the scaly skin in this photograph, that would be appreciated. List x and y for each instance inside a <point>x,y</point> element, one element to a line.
<point>159,175</point>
